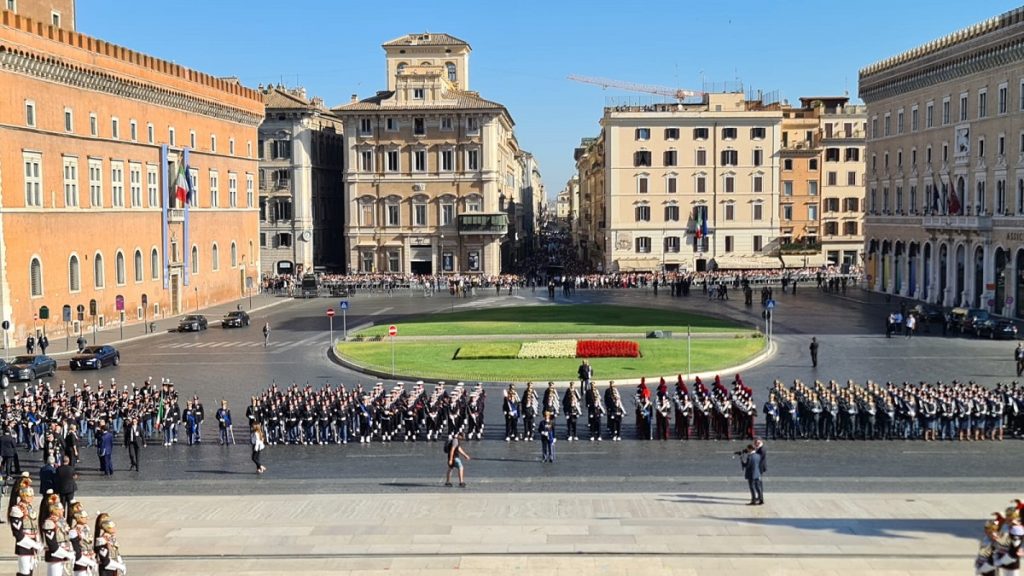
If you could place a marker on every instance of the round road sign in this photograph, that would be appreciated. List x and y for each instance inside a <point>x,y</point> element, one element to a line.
<point>330,312</point>
<point>392,330</point>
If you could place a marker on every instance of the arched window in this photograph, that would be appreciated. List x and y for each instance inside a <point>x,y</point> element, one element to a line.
<point>119,268</point>
<point>97,270</point>
<point>154,264</point>
<point>36,277</point>
<point>195,259</point>
<point>401,67</point>
<point>215,255</point>
<point>452,75</point>
<point>138,265</point>
<point>234,254</point>
<point>74,274</point>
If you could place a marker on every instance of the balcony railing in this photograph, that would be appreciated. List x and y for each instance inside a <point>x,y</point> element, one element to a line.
<point>176,215</point>
<point>966,223</point>
<point>490,224</point>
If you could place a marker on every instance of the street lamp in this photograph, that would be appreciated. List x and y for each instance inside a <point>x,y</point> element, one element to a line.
<point>196,288</point>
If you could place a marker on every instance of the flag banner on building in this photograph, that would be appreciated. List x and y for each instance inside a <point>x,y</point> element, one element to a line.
<point>935,198</point>
<point>700,228</point>
<point>704,222</point>
<point>183,189</point>
<point>954,201</point>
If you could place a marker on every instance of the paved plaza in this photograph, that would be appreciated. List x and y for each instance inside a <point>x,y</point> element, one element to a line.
<point>603,508</point>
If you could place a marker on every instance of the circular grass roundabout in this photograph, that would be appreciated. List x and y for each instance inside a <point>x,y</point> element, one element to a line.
<point>548,342</point>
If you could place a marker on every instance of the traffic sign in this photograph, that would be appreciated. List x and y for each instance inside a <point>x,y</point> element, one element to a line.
<point>92,307</point>
<point>44,312</point>
<point>344,304</point>
<point>81,312</point>
<point>119,303</point>
<point>6,325</point>
<point>770,304</point>
<point>330,312</point>
<point>66,312</point>
<point>392,330</point>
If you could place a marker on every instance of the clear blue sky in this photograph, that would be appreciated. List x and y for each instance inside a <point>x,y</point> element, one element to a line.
<point>523,52</point>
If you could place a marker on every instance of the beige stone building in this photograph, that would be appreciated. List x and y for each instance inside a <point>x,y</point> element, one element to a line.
<point>666,168</point>
<point>592,211</point>
<point>430,166</point>
<point>945,173</point>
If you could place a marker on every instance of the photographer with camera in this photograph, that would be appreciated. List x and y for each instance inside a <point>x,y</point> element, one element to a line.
<point>750,460</point>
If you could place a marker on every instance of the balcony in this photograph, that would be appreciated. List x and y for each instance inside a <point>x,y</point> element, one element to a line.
<point>840,136</point>
<point>176,215</point>
<point>958,223</point>
<point>482,224</point>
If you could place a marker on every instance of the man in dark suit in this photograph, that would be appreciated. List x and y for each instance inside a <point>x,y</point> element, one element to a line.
<point>67,483</point>
<point>585,373</point>
<point>133,441</point>
<point>750,460</point>
<point>105,451</point>
<point>814,352</point>
<point>8,454</point>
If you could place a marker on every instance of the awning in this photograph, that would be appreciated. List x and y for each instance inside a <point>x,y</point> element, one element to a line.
<point>746,263</point>
<point>638,264</point>
<point>803,260</point>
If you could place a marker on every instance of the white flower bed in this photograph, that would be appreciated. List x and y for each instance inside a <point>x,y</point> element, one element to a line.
<point>548,349</point>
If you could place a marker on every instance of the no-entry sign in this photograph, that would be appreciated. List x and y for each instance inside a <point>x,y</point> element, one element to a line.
<point>330,312</point>
<point>392,330</point>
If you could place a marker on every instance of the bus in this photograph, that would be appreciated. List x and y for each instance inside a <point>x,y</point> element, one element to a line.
<point>310,286</point>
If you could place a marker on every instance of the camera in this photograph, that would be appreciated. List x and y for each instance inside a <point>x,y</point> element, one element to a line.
<point>739,452</point>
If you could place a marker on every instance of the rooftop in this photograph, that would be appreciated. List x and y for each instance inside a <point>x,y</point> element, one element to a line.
<point>426,39</point>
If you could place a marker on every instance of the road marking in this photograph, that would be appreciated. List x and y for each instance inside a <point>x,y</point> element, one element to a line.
<point>382,310</point>
<point>299,343</point>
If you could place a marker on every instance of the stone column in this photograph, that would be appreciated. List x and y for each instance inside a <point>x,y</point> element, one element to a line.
<point>988,263</point>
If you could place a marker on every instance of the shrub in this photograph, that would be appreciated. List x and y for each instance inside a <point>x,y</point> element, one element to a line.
<point>488,351</point>
<point>607,349</point>
<point>548,349</point>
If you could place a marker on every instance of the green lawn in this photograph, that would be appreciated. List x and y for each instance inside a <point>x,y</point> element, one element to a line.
<point>487,350</point>
<point>577,319</point>
<point>660,357</point>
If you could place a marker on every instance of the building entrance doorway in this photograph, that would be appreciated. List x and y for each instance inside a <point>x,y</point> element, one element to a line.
<point>175,294</point>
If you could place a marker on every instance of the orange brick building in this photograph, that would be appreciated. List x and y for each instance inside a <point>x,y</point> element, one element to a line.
<point>91,138</point>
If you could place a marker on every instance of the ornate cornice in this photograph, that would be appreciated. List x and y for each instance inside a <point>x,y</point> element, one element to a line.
<point>55,70</point>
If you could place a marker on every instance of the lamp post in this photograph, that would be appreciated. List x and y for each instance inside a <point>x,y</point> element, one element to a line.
<point>196,288</point>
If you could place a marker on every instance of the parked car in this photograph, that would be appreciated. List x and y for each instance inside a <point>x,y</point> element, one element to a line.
<point>5,381</point>
<point>929,313</point>
<point>962,319</point>
<point>235,319</point>
<point>998,330</point>
<point>31,367</point>
<point>96,357</point>
<point>193,323</point>
<point>978,320</point>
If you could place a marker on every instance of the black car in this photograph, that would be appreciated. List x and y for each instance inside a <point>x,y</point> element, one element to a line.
<point>235,319</point>
<point>96,357</point>
<point>929,313</point>
<point>193,323</point>
<point>998,329</point>
<point>31,367</point>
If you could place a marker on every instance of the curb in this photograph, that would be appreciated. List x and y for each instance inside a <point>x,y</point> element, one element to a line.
<point>161,332</point>
<point>764,355</point>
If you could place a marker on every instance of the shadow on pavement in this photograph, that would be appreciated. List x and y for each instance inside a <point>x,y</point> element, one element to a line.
<point>872,527</point>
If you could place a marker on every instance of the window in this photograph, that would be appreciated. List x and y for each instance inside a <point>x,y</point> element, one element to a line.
<point>30,113</point>
<point>474,204</point>
<point>963,107</point>
<point>982,103</point>
<point>213,142</point>
<point>419,214</point>
<point>74,274</point>
<point>702,133</point>
<point>728,133</point>
<point>730,212</point>
<point>642,133</point>
<point>730,157</point>
<point>137,260</point>
<point>758,243</point>
<point>758,157</point>
<point>393,160</point>
<point>391,125</point>
<point>641,185</point>
<point>154,264</point>
<point>787,211</point>
<point>472,126</point>
<point>366,213</point>
<point>812,187</point>
<point>757,133</point>
<point>643,244</point>
<point>195,259</point>
<point>69,120</point>
<point>394,214</point>
<point>831,204</point>
<point>851,204</point>
<point>1001,145</point>
<point>1002,98</point>
<point>133,130</point>
<point>135,184</point>
<point>115,128</point>
<point>642,213</point>
<point>452,74</point>
<point>394,261</point>
<point>702,157</point>
<point>33,179</point>
<point>671,213</point>
<point>419,126</point>
<point>234,255</point>
<point>729,183</point>
<point>852,155</point>
<point>214,189</point>
<point>831,228</point>
<point>758,183</point>
<point>193,175</point>
<point>887,124</point>
<point>899,122</point>
<point>472,159</point>
<point>981,147</point>
<point>419,160</point>
<point>670,157</point>
<point>831,178</point>
<point>250,193</point>
<point>850,228</point>
<point>945,110</point>
<point>36,278</point>
<point>366,160</point>
<point>787,164</point>
<point>929,115</point>
<point>119,272</point>
<point>671,244</point>
<point>170,136</point>
<point>671,133</point>
<point>812,164</point>
<point>787,187</point>
<point>670,185</point>
<point>151,186</point>
<point>70,182</point>
<point>232,190</point>
<point>55,19</point>
<point>418,93</point>
<point>231,146</point>
<point>447,212</point>
<point>701,184</point>
<point>914,120</point>
<point>365,126</point>
<point>150,133</point>
<point>730,244</point>
<point>758,211</point>
<point>831,154</point>
<point>192,139</point>
<point>812,212</point>
<point>447,160</point>
<point>95,183</point>
<point>97,271</point>
<point>642,158</point>
<point>447,125</point>
<point>94,126</point>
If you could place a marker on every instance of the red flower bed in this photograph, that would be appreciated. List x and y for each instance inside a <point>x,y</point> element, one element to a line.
<point>607,349</point>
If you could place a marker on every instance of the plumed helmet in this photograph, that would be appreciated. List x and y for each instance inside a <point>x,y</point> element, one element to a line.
<point>53,502</point>
<point>26,494</point>
<point>108,526</point>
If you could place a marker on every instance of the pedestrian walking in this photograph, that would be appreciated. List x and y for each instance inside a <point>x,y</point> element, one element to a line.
<point>105,450</point>
<point>67,483</point>
<point>48,475</point>
<point>750,460</point>
<point>258,442</point>
<point>133,442</point>
<point>81,342</point>
<point>30,345</point>
<point>224,426</point>
<point>1018,355</point>
<point>266,334</point>
<point>814,351</point>
<point>44,343</point>
<point>546,431</point>
<point>455,455</point>
<point>911,325</point>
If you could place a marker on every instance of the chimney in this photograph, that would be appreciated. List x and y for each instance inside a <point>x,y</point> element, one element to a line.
<point>354,99</point>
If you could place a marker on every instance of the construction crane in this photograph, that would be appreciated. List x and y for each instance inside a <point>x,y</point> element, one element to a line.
<point>677,93</point>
